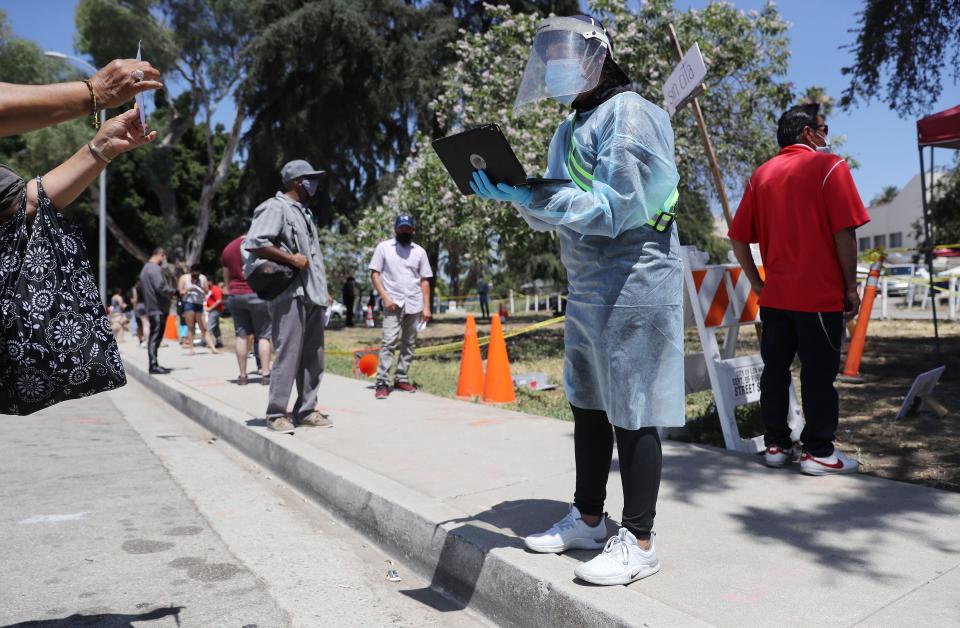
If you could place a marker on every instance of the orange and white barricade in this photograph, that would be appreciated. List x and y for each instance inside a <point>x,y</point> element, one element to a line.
<point>719,297</point>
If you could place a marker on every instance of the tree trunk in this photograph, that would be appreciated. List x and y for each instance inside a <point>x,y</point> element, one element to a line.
<point>211,185</point>
<point>160,185</point>
<point>453,269</point>
<point>128,244</point>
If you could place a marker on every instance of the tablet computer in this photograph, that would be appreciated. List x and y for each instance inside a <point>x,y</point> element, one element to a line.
<point>483,148</point>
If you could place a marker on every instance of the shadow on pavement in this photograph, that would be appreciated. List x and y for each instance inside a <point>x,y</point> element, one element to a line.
<point>835,527</point>
<point>838,527</point>
<point>104,620</point>
<point>466,547</point>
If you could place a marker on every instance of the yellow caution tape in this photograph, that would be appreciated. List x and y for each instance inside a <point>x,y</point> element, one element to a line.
<point>457,346</point>
<point>923,282</point>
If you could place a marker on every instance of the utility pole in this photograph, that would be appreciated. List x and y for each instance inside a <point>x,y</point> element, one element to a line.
<point>102,226</point>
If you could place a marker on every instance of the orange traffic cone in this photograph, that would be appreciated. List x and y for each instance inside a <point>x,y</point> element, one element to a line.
<point>470,384</point>
<point>498,386</point>
<point>851,370</point>
<point>369,321</point>
<point>171,332</point>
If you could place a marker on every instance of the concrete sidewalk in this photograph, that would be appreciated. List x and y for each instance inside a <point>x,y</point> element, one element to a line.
<point>452,487</point>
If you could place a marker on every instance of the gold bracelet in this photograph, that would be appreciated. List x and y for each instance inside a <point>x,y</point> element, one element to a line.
<point>95,119</point>
<point>98,153</point>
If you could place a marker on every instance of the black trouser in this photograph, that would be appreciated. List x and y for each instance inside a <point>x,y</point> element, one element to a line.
<point>349,304</point>
<point>640,461</point>
<point>485,307</point>
<point>156,337</point>
<point>815,338</point>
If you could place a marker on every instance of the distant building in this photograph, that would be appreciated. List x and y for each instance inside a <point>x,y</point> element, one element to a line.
<point>891,224</point>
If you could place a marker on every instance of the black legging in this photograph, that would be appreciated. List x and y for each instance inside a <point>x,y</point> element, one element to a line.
<point>640,461</point>
<point>157,322</point>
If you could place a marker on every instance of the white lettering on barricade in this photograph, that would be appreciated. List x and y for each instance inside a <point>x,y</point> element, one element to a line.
<point>719,297</point>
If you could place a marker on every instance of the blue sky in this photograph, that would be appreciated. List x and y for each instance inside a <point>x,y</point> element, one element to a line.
<point>883,143</point>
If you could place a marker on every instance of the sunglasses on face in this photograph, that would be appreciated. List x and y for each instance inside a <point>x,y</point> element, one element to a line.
<point>823,128</point>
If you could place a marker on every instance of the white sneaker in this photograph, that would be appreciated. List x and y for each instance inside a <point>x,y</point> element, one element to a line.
<point>569,533</point>
<point>776,457</point>
<point>622,561</point>
<point>837,462</point>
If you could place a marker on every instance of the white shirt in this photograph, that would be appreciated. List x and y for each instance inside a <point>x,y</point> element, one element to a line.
<point>401,268</point>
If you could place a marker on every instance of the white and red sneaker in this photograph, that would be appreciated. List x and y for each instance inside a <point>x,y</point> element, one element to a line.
<point>777,457</point>
<point>837,462</point>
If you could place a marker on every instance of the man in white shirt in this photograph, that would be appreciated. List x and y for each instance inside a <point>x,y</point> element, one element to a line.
<point>400,272</point>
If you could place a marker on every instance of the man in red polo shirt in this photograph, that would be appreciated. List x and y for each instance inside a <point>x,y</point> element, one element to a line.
<point>803,208</point>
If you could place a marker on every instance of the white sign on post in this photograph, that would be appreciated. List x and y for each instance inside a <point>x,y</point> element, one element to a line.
<point>686,81</point>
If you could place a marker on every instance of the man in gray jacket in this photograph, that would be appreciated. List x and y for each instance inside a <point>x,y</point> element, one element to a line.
<point>155,291</point>
<point>283,230</point>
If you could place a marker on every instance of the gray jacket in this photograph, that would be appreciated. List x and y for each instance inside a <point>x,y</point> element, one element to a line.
<point>282,222</point>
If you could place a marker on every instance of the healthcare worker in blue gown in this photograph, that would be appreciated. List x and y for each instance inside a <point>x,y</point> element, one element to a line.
<point>623,361</point>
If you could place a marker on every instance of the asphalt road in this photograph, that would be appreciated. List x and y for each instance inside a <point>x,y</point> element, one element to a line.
<point>116,510</point>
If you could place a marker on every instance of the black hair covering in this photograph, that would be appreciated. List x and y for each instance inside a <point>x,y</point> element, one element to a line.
<point>11,187</point>
<point>613,81</point>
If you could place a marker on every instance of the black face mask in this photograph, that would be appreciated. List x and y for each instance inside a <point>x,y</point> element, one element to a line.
<point>405,238</point>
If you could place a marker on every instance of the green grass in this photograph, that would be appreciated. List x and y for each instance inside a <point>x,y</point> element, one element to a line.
<point>538,351</point>
<point>542,351</point>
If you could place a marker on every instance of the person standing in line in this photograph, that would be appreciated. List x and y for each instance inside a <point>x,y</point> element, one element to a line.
<point>284,231</point>
<point>623,340</point>
<point>251,314</point>
<point>156,292</point>
<point>193,292</point>
<point>139,316</point>
<point>349,295</point>
<point>213,308</point>
<point>803,207</point>
<point>401,274</point>
<point>119,321</point>
<point>483,290</point>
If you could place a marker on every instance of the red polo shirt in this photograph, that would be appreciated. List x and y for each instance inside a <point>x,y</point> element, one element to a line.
<point>792,206</point>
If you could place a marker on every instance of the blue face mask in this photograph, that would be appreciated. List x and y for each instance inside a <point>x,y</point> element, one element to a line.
<point>310,185</point>
<point>563,80</point>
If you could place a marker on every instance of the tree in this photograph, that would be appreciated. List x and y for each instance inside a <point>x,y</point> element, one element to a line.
<point>341,84</point>
<point>746,54</point>
<point>945,208</point>
<point>886,195</point>
<point>198,43</point>
<point>901,48</point>
<point>475,16</point>
<point>817,94</point>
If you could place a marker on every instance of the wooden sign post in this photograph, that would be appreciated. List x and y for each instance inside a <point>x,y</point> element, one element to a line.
<point>701,125</point>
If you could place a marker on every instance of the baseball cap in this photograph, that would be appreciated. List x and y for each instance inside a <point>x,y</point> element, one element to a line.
<point>298,168</point>
<point>404,220</point>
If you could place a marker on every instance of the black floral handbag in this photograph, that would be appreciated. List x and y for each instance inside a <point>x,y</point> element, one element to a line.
<point>55,340</point>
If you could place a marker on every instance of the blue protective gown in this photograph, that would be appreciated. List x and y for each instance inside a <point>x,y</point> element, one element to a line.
<point>624,328</point>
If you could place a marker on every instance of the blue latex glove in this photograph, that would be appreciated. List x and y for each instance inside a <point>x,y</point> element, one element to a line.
<point>483,187</point>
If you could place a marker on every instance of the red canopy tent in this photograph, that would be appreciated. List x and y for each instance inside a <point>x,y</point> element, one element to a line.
<point>941,129</point>
<point>938,130</point>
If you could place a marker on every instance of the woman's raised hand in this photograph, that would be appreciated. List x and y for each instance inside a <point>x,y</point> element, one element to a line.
<point>122,79</point>
<point>121,134</point>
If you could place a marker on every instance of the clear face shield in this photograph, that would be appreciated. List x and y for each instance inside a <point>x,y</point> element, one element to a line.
<point>566,60</point>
